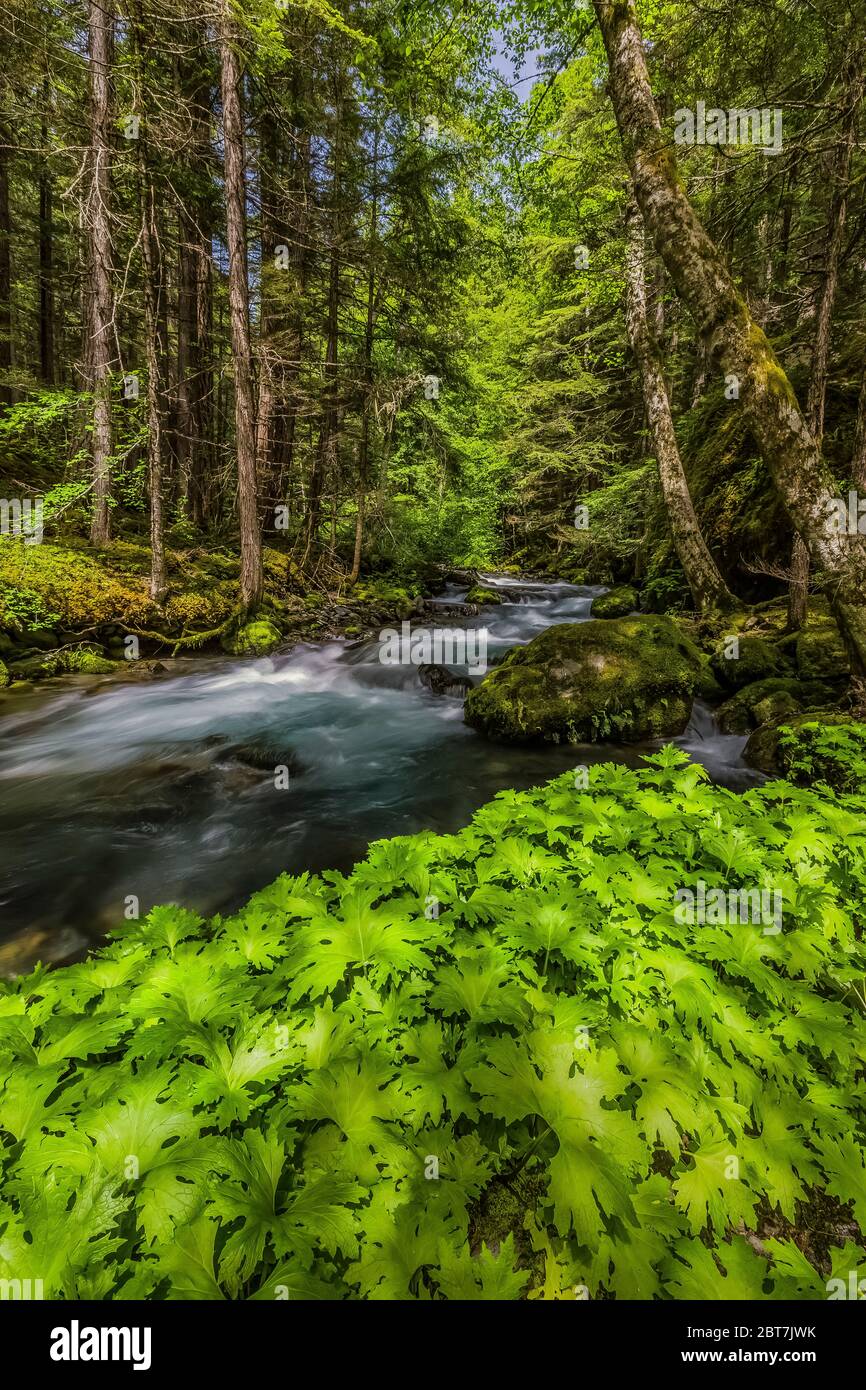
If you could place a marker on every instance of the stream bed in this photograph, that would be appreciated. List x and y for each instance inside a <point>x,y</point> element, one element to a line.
<point>164,789</point>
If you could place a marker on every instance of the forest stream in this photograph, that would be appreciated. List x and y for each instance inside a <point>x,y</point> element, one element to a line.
<point>165,790</point>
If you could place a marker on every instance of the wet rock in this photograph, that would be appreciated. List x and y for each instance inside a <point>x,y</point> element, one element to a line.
<point>254,639</point>
<point>20,953</point>
<point>265,755</point>
<point>145,669</point>
<point>478,594</point>
<point>441,681</point>
<point>81,661</point>
<point>621,678</point>
<point>616,603</point>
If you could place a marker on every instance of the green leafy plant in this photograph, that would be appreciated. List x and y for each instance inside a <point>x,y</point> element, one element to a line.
<point>337,1092</point>
<point>818,751</point>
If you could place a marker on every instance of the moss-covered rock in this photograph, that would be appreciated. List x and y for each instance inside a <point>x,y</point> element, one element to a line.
<point>84,663</point>
<point>749,707</point>
<point>821,653</point>
<point>478,594</point>
<point>756,660</point>
<point>775,708</point>
<point>624,678</point>
<point>616,603</point>
<point>253,639</point>
<point>43,639</point>
<point>708,686</point>
<point>5,677</point>
<point>78,661</point>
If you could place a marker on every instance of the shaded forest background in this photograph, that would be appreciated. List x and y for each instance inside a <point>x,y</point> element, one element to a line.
<point>305,285</point>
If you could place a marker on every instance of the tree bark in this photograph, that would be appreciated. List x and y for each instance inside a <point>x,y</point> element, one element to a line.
<point>369,335</point>
<point>326,452</point>
<point>798,597</point>
<point>239,311</point>
<point>708,588</point>
<point>733,340</point>
<point>46,251</point>
<point>101,316</point>
<point>858,457</point>
<point>6,393</point>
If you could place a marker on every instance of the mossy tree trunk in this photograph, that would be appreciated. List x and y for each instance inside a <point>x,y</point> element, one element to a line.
<point>101,327</point>
<point>709,589</point>
<point>239,311</point>
<point>734,342</point>
<point>834,235</point>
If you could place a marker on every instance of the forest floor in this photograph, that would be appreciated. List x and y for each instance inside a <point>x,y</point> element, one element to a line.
<point>83,603</point>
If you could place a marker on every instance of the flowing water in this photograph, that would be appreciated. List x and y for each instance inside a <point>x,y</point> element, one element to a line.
<point>164,789</point>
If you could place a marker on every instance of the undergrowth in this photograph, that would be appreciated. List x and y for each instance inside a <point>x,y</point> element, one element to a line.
<point>332,1093</point>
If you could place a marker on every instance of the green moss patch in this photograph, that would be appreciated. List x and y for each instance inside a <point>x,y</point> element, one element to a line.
<point>627,678</point>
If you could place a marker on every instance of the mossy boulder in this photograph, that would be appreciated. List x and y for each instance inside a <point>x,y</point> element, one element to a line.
<point>757,703</point>
<point>253,639</point>
<point>478,594</point>
<point>821,653</point>
<point>79,661</point>
<point>84,663</point>
<point>616,603</point>
<point>623,678</point>
<point>756,659</point>
<point>5,677</point>
<point>42,639</point>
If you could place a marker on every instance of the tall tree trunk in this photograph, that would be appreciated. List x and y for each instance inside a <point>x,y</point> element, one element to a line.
<point>369,333</point>
<point>6,393</point>
<point>46,250</point>
<point>101,316</point>
<point>858,457</point>
<point>266,423</point>
<point>326,452</point>
<point>732,338</point>
<point>239,309</point>
<point>193,438</point>
<point>185,428</point>
<point>300,220</point>
<point>154,337</point>
<point>706,583</point>
<point>798,596</point>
